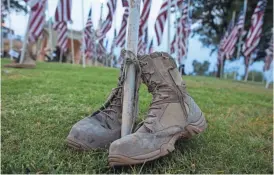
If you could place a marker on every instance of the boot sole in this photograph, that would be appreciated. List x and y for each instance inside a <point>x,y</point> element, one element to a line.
<point>190,130</point>
<point>76,145</point>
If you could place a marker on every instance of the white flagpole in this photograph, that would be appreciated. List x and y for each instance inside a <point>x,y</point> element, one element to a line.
<point>50,32</point>
<point>83,36</point>
<point>168,26</point>
<point>72,46</point>
<point>10,32</point>
<point>25,41</point>
<point>129,86</point>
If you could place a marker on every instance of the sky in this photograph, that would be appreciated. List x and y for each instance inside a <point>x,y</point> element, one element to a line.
<point>196,50</point>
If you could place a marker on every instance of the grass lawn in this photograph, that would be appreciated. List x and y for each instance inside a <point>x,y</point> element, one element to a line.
<point>39,107</point>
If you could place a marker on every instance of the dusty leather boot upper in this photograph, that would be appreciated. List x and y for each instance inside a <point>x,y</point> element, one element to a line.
<point>102,127</point>
<point>172,114</point>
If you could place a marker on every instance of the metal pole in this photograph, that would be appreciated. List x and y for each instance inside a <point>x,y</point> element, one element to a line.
<point>168,26</point>
<point>61,56</point>
<point>72,47</point>
<point>25,41</point>
<point>187,40</point>
<point>83,36</point>
<point>129,86</point>
<point>50,32</point>
<point>10,32</point>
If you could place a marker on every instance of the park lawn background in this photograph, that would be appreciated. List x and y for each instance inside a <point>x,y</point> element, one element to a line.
<point>39,107</point>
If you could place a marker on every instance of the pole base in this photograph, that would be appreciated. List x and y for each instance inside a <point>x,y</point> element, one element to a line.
<point>17,65</point>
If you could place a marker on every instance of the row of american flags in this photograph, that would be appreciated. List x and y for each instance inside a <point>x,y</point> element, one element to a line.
<point>63,17</point>
<point>179,43</point>
<point>233,33</point>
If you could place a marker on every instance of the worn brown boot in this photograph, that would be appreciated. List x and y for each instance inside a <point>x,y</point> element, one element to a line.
<point>102,127</point>
<point>173,114</point>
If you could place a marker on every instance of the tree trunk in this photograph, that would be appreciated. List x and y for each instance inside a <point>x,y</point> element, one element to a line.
<point>220,69</point>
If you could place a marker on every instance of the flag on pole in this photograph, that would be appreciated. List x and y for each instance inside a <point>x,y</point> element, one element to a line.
<point>37,19</point>
<point>101,50</point>
<point>106,26</point>
<point>62,16</point>
<point>162,17</point>
<point>255,31</point>
<point>62,37</point>
<point>231,40</point>
<point>269,55</point>
<point>63,11</point>
<point>144,17</point>
<point>142,43</point>
<point>88,36</point>
<point>121,38</point>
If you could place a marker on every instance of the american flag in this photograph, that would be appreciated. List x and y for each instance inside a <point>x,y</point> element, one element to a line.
<point>37,19</point>
<point>255,31</point>
<point>62,37</point>
<point>144,17</point>
<point>89,45</point>
<point>161,18</point>
<point>142,43</point>
<point>101,50</point>
<point>231,40</point>
<point>222,42</point>
<point>106,26</point>
<point>62,16</point>
<point>269,55</point>
<point>32,3</point>
<point>121,38</point>
<point>63,11</point>
<point>182,33</point>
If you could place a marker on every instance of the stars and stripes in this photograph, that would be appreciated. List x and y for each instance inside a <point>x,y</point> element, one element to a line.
<point>231,40</point>
<point>37,19</point>
<point>144,17</point>
<point>121,38</point>
<point>255,31</point>
<point>142,43</point>
<point>88,36</point>
<point>162,17</point>
<point>101,50</point>
<point>62,37</point>
<point>63,11</point>
<point>106,26</point>
<point>182,33</point>
<point>62,16</point>
<point>32,3</point>
<point>269,55</point>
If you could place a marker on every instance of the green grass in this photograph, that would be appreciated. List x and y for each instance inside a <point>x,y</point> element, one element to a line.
<point>40,105</point>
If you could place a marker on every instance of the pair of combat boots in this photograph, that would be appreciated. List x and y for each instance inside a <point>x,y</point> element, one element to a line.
<point>172,114</point>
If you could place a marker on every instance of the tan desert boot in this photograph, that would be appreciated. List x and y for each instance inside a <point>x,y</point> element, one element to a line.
<point>173,114</point>
<point>103,126</point>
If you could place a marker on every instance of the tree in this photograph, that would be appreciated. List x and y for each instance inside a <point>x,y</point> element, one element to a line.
<point>15,5</point>
<point>215,15</point>
<point>199,68</point>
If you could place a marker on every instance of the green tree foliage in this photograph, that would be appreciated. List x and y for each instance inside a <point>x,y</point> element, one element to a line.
<point>215,15</point>
<point>200,68</point>
<point>18,6</point>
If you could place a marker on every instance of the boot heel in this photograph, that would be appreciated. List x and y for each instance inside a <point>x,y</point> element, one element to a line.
<point>195,128</point>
